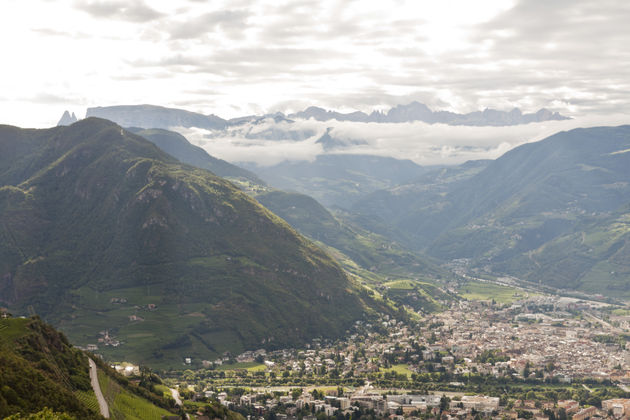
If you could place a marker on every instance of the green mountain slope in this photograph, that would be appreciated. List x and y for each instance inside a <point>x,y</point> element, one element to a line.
<point>367,249</point>
<point>414,213</point>
<point>531,207</point>
<point>104,233</point>
<point>594,258</point>
<point>536,192</point>
<point>41,369</point>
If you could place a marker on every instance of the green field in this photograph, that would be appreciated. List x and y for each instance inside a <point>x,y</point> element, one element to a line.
<point>475,290</point>
<point>417,294</point>
<point>400,369</point>
<point>124,405</point>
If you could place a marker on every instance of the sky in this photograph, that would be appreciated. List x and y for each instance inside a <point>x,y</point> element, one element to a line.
<point>234,58</point>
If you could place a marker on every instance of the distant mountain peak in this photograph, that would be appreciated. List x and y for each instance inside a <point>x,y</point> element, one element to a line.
<point>67,118</point>
<point>153,116</point>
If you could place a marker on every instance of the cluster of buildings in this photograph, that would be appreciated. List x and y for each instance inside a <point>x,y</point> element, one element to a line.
<point>536,337</point>
<point>539,337</point>
<point>535,334</point>
<point>407,406</point>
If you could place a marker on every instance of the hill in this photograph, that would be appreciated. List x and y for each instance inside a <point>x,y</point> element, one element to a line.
<point>109,237</point>
<point>40,369</point>
<point>414,213</point>
<point>594,257</point>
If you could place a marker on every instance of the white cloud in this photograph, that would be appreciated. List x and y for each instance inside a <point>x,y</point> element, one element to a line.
<point>425,144</point>
<point>237,148</point>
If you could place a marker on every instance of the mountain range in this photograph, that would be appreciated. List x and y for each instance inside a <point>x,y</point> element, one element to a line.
<point>151,116</point>
<point>109,237</point>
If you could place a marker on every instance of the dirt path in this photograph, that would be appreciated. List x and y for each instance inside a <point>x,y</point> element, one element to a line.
<point>97,390</point>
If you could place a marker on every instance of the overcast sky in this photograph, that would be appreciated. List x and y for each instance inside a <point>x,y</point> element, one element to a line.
<point>234,57</point>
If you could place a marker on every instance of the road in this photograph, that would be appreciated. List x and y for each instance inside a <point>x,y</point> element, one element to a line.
<point>102,404</point>
<point>602,322</point>
<point>175,394</point>
<point>365,388</point>
<point>178,400</point>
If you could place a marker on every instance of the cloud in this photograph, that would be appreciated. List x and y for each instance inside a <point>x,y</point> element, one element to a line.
<point>268,143</point>
<point>127,10</point>
<point>231,22</point>
<point>53,99</point>
<point>236,148</point>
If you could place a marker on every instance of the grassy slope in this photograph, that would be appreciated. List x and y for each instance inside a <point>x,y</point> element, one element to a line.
<point>419,295</point>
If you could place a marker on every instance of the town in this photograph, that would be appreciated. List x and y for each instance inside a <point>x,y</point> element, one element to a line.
<point>541,356</point>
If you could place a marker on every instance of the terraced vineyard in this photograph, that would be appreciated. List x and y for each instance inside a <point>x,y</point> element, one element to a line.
<point>123,405</point>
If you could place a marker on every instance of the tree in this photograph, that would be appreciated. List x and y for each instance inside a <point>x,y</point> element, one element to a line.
<point>550,367</point>
<point>562,414</point>
<point>444,402</point>
<point>295,393</point>
<point>527,370</point>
